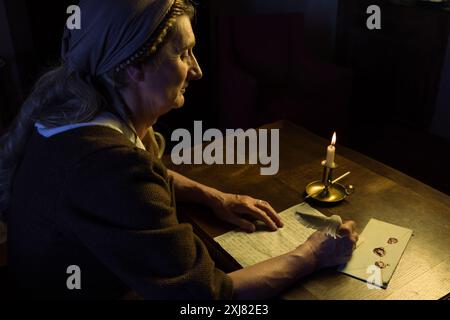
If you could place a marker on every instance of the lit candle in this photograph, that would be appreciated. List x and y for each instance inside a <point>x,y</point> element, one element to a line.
<point>331,151</point>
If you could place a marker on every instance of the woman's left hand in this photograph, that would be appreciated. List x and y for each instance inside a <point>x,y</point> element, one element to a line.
<point>242,210</point>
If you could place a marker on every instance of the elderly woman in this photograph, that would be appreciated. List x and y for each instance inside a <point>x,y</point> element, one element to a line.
<point>80,188</point>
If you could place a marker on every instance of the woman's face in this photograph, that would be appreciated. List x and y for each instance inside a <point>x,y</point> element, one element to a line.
<point>163,84</point>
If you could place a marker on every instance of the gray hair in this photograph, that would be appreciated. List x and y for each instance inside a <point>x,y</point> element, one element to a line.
<point>58,98</point>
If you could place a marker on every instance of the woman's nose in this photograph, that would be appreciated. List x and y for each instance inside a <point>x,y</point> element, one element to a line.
<point>195,71</point>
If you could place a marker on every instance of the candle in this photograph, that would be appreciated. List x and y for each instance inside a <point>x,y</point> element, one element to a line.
<point>331,151</point>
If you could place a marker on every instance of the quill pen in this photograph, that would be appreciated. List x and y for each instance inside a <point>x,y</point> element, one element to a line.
<point>328,225</point>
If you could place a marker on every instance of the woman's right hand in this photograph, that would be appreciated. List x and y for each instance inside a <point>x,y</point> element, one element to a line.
<point>327,251</point>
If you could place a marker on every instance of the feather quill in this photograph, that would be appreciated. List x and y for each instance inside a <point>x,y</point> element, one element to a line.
<point>328,225</point>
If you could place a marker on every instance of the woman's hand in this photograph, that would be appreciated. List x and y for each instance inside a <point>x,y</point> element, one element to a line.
<point>238,210</point>
<point>327,251</point>
<point>242,210</point>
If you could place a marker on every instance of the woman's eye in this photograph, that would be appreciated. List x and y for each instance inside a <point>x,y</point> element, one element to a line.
<point>185,54</point>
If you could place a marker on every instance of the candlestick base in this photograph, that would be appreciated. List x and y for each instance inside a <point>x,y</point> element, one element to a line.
<point>325,190</point>
<point>320,192</point>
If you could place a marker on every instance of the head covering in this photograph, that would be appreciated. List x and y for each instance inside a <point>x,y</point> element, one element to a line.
<point>111,31</point>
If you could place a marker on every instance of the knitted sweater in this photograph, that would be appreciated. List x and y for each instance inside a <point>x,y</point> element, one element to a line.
<point>90,198</point>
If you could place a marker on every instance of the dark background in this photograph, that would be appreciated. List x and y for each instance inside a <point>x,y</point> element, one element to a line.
<point>387,91</point>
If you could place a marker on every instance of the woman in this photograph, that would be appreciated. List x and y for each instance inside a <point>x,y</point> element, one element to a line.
<point>79,188</point>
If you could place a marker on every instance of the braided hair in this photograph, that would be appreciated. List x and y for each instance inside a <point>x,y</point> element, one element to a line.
<point>148,52</point>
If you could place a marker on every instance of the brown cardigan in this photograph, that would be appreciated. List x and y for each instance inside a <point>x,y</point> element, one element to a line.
<point>88,197</point>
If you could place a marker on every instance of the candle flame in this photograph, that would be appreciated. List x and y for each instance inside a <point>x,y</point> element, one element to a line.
<point>333,140</point>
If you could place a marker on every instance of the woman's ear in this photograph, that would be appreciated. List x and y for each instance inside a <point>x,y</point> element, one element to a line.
<point>135,73</point>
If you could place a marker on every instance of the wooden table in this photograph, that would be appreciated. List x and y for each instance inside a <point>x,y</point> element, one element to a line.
<point>381,192</point>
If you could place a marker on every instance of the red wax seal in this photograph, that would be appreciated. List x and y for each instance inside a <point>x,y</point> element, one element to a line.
<point>379,251</point>
<point>392,240</point>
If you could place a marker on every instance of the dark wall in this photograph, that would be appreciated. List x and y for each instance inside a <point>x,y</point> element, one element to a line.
<point>398,74</point>
<point>398,68</point>
<point>441,120</point>
<point>16,53</point>
<point>47,19</point>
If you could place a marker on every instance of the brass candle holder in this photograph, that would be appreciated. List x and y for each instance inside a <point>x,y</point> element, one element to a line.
<point>327,190</point>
